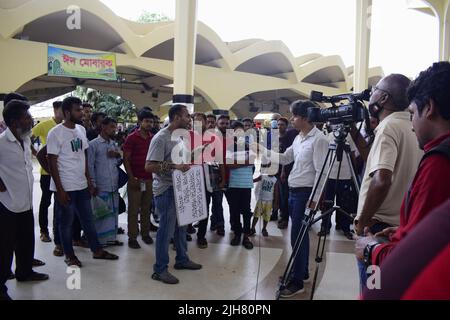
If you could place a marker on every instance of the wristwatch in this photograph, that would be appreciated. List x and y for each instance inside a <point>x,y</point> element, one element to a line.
<point>367,254</point>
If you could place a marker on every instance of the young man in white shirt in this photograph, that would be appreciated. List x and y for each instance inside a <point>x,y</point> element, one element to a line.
<point>66,149</point>
<point>308,152</point>
<point>16,196</point>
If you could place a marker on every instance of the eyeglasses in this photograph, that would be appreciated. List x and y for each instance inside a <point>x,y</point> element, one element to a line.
<point>375,88</point>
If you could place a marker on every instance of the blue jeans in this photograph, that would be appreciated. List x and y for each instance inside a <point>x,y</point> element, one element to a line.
<point>165,204</point>
<point>297,206</point>
<point>362,268</point>
<point>80,205</point>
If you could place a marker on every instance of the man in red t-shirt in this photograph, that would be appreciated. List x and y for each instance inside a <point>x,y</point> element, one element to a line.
<point>139,188</point>
<point>430,113</point>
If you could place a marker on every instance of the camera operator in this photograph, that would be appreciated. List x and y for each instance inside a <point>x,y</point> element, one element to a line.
<point>392,160</point>
<point>307,152</point>
<point>430,113</point>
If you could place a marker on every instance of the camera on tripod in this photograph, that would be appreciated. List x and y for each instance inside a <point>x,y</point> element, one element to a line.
<point>352,112</point>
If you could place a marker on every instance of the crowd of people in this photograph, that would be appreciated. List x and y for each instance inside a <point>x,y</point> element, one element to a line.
<point>405,171</point>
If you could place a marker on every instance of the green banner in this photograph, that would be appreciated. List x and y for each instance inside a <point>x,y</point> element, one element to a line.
<point>64,63</point>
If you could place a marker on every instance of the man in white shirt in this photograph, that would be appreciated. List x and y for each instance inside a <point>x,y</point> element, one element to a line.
<point>308,153</point>
<point>66,149</point>
<point>16,196</point>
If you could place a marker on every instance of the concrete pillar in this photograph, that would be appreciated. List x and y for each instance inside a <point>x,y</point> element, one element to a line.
<point>362,52</point>
<point>184,56</point>
<point>444,37</point>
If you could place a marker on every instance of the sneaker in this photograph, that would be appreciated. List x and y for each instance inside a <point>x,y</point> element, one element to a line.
<point>147,240</point>
<point>291,290</point>
<point>202,243</point>
<point>236,240</point>
<point>221,231</point>
<point>190,265</point>
<point>306,279</point>
<point>133,244</point>
<point>165,277</point>
<point>265,233</point>
<point>58,251</point>
<point>283,224</point>
<point>247,243</point>
<point>45,237</point>
<point>252,232</point>
<point>120,231</point>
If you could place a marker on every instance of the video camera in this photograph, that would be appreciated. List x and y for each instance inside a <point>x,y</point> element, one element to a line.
<point>352,112</point>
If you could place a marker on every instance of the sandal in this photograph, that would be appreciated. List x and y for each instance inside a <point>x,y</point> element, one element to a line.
<point>73,261</point>
<point>114,243</point>
<point>38,263</point>
<point>105,255</point>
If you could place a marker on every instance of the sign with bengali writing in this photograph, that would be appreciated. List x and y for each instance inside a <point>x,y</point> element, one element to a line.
<point>190,197</point>
<point>64,63</point>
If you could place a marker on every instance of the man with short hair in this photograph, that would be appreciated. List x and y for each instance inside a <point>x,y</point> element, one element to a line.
<point>287,137</point>
<point>87,114</point>
<point>104,160</point>
<point>96,120</point>
<point>41,131</point>
<point>16,196</point>
<point>308,152</point>
<point>210,122</point>
<point>160,163</point>
<point>217,219</point>
<point>429,108</point>
<point>8,98</point>
<point>66,149</point>
<point>392,160</point>
<point>139,186</point>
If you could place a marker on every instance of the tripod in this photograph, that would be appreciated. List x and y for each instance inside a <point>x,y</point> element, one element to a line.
<point>335,152</point>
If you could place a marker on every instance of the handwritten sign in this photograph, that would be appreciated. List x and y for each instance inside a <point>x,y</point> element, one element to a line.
<point>190,197</point>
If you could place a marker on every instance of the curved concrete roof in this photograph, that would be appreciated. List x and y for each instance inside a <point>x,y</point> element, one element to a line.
<point>238,68</point>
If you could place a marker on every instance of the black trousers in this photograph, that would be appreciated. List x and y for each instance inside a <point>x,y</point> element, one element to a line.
<point>17,235</point>
<point>239,202</point>
<point>46,200</point>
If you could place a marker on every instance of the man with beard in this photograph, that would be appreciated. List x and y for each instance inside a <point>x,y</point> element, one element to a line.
<point>160,163</point>
<point>16,196</point>
<point>66,148</point>
<point>139,181</point>
<point>104,159</point>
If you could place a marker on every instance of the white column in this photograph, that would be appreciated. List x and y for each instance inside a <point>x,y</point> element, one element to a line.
<point>184,55</point>
<point>362,52</point>
<point>444,37</point>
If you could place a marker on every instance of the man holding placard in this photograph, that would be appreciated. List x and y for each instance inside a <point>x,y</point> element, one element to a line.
<point>161,164</point>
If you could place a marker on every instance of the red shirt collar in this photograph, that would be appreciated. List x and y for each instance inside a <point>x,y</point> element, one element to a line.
<point>433,143</point>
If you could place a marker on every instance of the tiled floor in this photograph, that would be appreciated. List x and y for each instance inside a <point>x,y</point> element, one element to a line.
<point>228,273</point>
